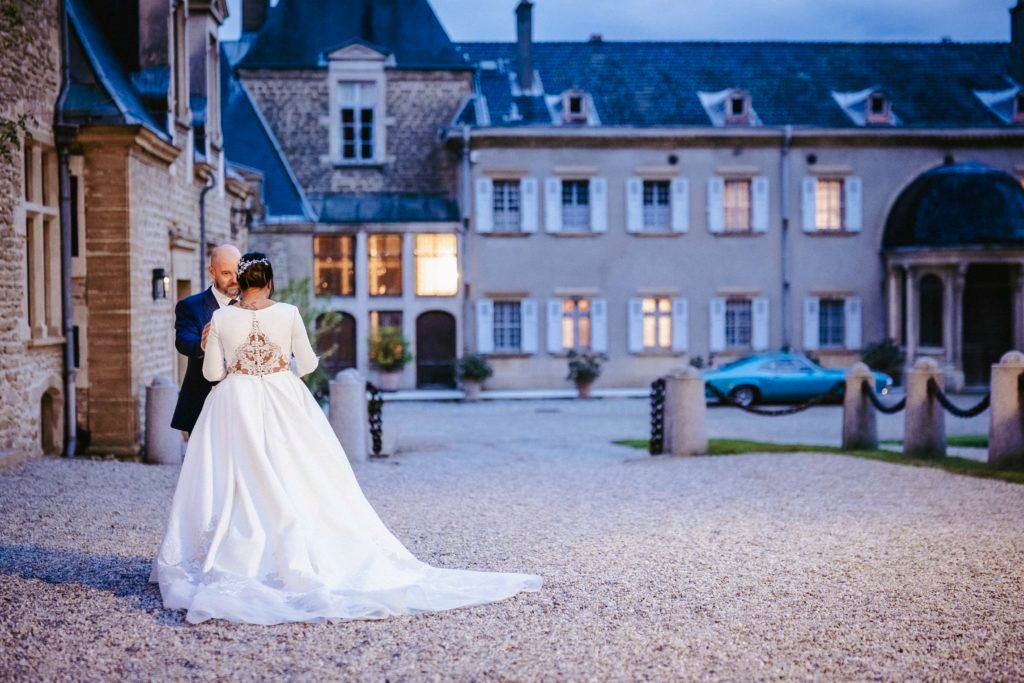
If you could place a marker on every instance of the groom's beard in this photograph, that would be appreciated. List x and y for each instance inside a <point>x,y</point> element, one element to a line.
<point>230,294</point>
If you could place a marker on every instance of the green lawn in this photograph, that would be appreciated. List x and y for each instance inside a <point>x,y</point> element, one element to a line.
<point>965,466</point>
<point>967,440</point>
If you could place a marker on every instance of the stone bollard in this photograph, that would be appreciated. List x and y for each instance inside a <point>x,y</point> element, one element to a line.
<point>860,420</point>
<point>686,412</point>
<point>924,432</point>
<point>348,414</point>
<point>163,442</point>
<point>1006,425</point>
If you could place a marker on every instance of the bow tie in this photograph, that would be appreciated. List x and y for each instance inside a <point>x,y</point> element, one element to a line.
<point>233,302</point>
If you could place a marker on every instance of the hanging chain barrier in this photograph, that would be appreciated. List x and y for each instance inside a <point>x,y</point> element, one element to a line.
<point>939,395</point>
<point>869,391</point>
<point>835,391</point>
<point>375,409</point>
<point>657,444</point>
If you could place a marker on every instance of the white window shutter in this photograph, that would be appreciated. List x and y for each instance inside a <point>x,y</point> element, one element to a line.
<point>484,326</point>
<point>680,325</point>
<point>853,200</point>
<point>554,325</point>
<point>716,204</point>
<point>528,318</point>
<point>634,204</point>
<point>528,204</point>
<point>810,204</point>
<point>599,325</point>
<point>716,326</point>
<point>852,322</point>
<point>484,205</point>
<point>812,334</point>
<point>599,204</point>
<point>761,203</point>
<point>759,336</point>
<point>680,201</point>
<point>636,325</point>
<point>553,205</point>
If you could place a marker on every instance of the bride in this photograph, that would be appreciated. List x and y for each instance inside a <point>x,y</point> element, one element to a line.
<point>268,523</point>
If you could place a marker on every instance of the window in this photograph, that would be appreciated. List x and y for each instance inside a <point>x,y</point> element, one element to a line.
<point>508,327</point>
<point>738,323</point>
<point>829,205</point>
<point>878,108</point>
<point>42,232</point>
<point>385,265</point>
<point>334,265</point>
<point>506,205</point>
<point>358,101</point>
<point>1018,107</point>
<point>575,323</point>
<point>657,211</point>
<point>437,265</point>
<point>575,205</point>
<point>737,205</point>
<point>831,323</point>
<point>574,106</point>
<point>657,325</point>
<point>379,319</point>
<point>931,311</point>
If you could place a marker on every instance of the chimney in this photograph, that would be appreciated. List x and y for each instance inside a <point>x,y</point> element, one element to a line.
<point>524,35</point>
<point>254,13</point>
<point>1017,42</point>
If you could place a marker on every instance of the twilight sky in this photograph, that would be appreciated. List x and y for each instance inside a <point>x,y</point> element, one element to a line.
<point>961,20</point>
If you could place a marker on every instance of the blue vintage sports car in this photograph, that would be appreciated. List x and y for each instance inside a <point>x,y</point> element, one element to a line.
<point>779,377</point>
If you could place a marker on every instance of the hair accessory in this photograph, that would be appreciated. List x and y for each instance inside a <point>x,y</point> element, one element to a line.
<point>242,265</point>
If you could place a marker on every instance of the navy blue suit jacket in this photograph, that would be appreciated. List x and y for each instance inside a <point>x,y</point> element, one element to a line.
<point>190,317</point>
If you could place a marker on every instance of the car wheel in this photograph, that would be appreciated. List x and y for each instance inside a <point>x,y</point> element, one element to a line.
<point>745,396</point>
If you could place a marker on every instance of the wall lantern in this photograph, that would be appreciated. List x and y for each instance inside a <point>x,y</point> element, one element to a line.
<point>161,283</point>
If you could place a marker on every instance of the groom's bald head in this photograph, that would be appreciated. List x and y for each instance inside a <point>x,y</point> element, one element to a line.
<point>223,268</point>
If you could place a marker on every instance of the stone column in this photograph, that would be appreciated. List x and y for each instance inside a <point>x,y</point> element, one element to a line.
<point>860,422</point>
<point>163,442</point>
<point>1006,424</point>
<point>361,313</point>
<point>687,421</point>
<point>924,432</point>
<point>948,316</point>
<point>348,413</point>
<point>893,283</point>
<point>910,303</point>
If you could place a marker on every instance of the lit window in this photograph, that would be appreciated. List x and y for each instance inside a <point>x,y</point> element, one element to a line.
<point>334,265</point>
<point>575,205</point>
<point>829,205</point>
<point>657,214</point>
<point>506,205</point>
<point>575,323</point>
<point>831,322</point>
<point>657,323</point>
<point>738,323</point>
<point>737,205</point>
<point>437,266</point>
<point>385,264</point>
<point>358,101</point>
<point>508,326</point>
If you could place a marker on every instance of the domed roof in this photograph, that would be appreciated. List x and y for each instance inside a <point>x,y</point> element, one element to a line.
<point>956,205</point>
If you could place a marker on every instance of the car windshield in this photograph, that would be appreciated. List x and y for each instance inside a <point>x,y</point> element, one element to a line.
<point>735,364</point>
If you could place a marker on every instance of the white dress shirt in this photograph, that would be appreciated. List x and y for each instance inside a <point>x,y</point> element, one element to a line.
<point>223,299</point>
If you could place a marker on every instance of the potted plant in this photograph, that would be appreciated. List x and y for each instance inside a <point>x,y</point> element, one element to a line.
<point>389,352</point>
<point>584,368</point>
<point>473,370</point>
<point>885,356</point>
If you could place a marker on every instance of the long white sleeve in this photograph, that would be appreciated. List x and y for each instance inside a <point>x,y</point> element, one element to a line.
<point>213,361</point>
<point>305,360</point>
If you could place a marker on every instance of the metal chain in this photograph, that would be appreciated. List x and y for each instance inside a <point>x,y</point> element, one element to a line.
<point>657,443</point>
<point>375,408</point>
<point>936,392</point>
<point>869,391</point>
<point>834,391</point>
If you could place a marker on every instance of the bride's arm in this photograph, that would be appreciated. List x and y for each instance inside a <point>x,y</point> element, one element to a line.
<point>305,360</point>
<point>213,362</point>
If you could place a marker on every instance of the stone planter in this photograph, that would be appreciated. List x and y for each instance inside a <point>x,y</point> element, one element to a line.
<point>389,380</point>
<point>472,387</point>
<point>584,388</point>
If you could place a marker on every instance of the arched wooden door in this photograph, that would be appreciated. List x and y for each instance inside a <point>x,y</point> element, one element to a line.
<point>336,345</point>
<point>435,350</point>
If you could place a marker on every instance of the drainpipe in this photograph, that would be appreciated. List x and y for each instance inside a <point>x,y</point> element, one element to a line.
<point>464,233</point>
<point>64,134</point>
<point>202,231</point>
<point>787,314</point>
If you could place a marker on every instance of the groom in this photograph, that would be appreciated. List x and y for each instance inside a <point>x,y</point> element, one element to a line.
<point>191,327</point>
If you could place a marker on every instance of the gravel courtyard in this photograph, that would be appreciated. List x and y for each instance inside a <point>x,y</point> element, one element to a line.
<point>745,567</point>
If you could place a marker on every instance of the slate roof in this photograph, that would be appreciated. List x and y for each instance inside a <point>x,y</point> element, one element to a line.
<point>384,207</point>
<point>656,84</point>
<point>297,34</point>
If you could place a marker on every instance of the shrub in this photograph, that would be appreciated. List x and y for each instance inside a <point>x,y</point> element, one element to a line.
<point>885,356</point>
<point>585,366</point>
<point>389,350</point>
<point>474,367</point>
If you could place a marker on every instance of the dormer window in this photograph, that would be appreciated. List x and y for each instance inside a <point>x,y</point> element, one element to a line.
<point>878,109</point>
<point>737,108</point>
<point>1018,107</point>
<point>574,106</point>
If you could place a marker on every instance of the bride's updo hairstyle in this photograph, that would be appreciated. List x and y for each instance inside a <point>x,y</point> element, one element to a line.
<point>254,270</point>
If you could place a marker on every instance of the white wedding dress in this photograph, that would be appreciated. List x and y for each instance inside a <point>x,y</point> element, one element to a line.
<point>268,523</point>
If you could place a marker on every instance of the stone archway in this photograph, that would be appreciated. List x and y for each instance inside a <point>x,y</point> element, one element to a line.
<point>48,398</point>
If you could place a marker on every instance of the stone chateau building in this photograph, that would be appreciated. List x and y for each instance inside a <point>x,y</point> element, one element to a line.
<point>654,201</point>
<point>134,128</point>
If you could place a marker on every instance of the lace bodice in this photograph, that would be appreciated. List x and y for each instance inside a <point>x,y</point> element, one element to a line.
<point>257,343</point>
